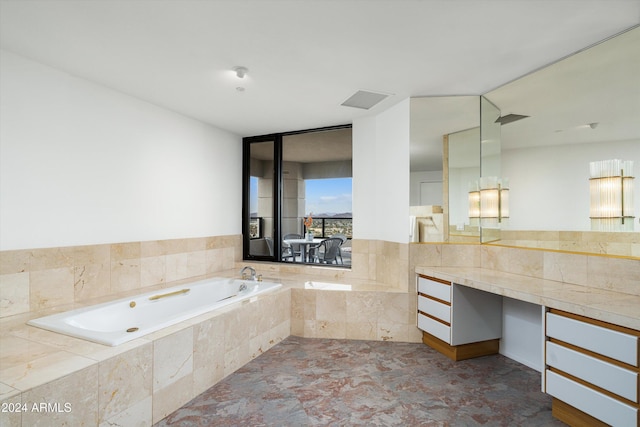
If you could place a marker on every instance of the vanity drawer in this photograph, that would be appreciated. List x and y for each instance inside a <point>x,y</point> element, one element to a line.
<point>435,328</point>
<point>598,405</point>
<point>604,341</point>
<point>434,308</point>
<point>615,379</point>
<point>435,289</point>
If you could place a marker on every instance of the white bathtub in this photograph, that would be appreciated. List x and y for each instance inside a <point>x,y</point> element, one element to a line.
<point>119,321</point>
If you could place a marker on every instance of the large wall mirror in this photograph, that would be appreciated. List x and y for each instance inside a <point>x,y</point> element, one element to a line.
<point>583,109</point>
<point>549,126</point>
<point>440,183</point>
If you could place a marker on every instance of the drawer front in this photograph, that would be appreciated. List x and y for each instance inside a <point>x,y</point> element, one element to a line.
<point>614,344</point>
<point>598,405</point>
<point>615,379</point>
<point>434,289</point>
<point>434,308</point>
<point>435,328</point>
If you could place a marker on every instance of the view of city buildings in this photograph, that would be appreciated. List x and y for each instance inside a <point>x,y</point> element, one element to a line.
<point>323,225</point>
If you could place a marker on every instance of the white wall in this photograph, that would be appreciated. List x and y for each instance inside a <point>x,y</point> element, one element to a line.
<point>522,332</point>
<point>381,175</point>
<point>83,164</point>
<point>549,186</point>
<point>416,178</point>
<point>364,200</point>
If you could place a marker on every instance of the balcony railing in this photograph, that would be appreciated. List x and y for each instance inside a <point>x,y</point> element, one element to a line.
<point>320,227</point>
<point>325,227</point>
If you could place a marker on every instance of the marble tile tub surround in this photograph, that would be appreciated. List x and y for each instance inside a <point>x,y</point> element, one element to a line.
<point>165,371</point>
<point>139,382</point>
<point>36,279</point>
<point>375,263</point>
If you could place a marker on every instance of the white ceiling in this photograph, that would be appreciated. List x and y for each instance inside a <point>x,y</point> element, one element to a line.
<point>305,57</point>
<point>599,85</point>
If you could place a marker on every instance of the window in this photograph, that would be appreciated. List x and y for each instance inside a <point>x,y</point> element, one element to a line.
<point>330,201</point>
<point>287,178</point>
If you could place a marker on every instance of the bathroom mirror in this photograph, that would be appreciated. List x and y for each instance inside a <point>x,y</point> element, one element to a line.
<point>464,173</point>
<point>433,121</point>
<point>553,123</point>
<point>556,121</point>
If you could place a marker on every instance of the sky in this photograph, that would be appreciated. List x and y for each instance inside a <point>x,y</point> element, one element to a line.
<point>322,195</point>
<point>328,195</point>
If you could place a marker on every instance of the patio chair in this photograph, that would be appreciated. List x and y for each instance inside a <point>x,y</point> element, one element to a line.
<point>344,240</point>
<point>291,251</point>
<point>341,237</point>
<point>328,251</point>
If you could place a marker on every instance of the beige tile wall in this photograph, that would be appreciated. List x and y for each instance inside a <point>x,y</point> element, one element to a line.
<point>32,280</point>
<point>373,261</point>
<point>605,272</point>
<point>595,242</point>
<point>359,315</point>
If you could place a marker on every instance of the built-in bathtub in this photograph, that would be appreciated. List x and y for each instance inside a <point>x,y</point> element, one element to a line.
<point>119,321</point>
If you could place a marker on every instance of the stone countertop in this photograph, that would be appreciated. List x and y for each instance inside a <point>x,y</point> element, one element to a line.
<point>601,304</point>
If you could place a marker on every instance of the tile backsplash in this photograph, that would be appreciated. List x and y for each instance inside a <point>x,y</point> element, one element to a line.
<point>620,274</point>
<point>595,242</point>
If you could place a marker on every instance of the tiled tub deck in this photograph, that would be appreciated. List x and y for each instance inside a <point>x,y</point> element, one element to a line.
<point>51,379</point>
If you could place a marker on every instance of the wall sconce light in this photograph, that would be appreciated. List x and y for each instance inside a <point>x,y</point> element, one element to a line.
<point>489,201</point>
<point>611,195</point>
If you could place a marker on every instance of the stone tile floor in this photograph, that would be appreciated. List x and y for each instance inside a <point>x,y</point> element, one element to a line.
<point>326,382</point>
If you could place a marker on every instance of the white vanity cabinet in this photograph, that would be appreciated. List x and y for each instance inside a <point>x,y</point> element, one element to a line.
<point>591,370</point>
<point>458,321</point>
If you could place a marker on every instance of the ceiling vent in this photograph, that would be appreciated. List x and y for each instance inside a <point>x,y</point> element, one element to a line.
<point>364,99</point>
<point>510,118</point>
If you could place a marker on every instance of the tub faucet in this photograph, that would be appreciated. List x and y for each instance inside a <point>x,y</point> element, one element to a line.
<point>251,269</point>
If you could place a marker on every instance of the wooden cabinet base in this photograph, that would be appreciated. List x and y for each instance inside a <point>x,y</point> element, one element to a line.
<point>464,351</point>
<point>572,416</point>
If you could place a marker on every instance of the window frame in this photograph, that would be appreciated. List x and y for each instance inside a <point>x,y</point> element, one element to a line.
<point>278,180</point>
